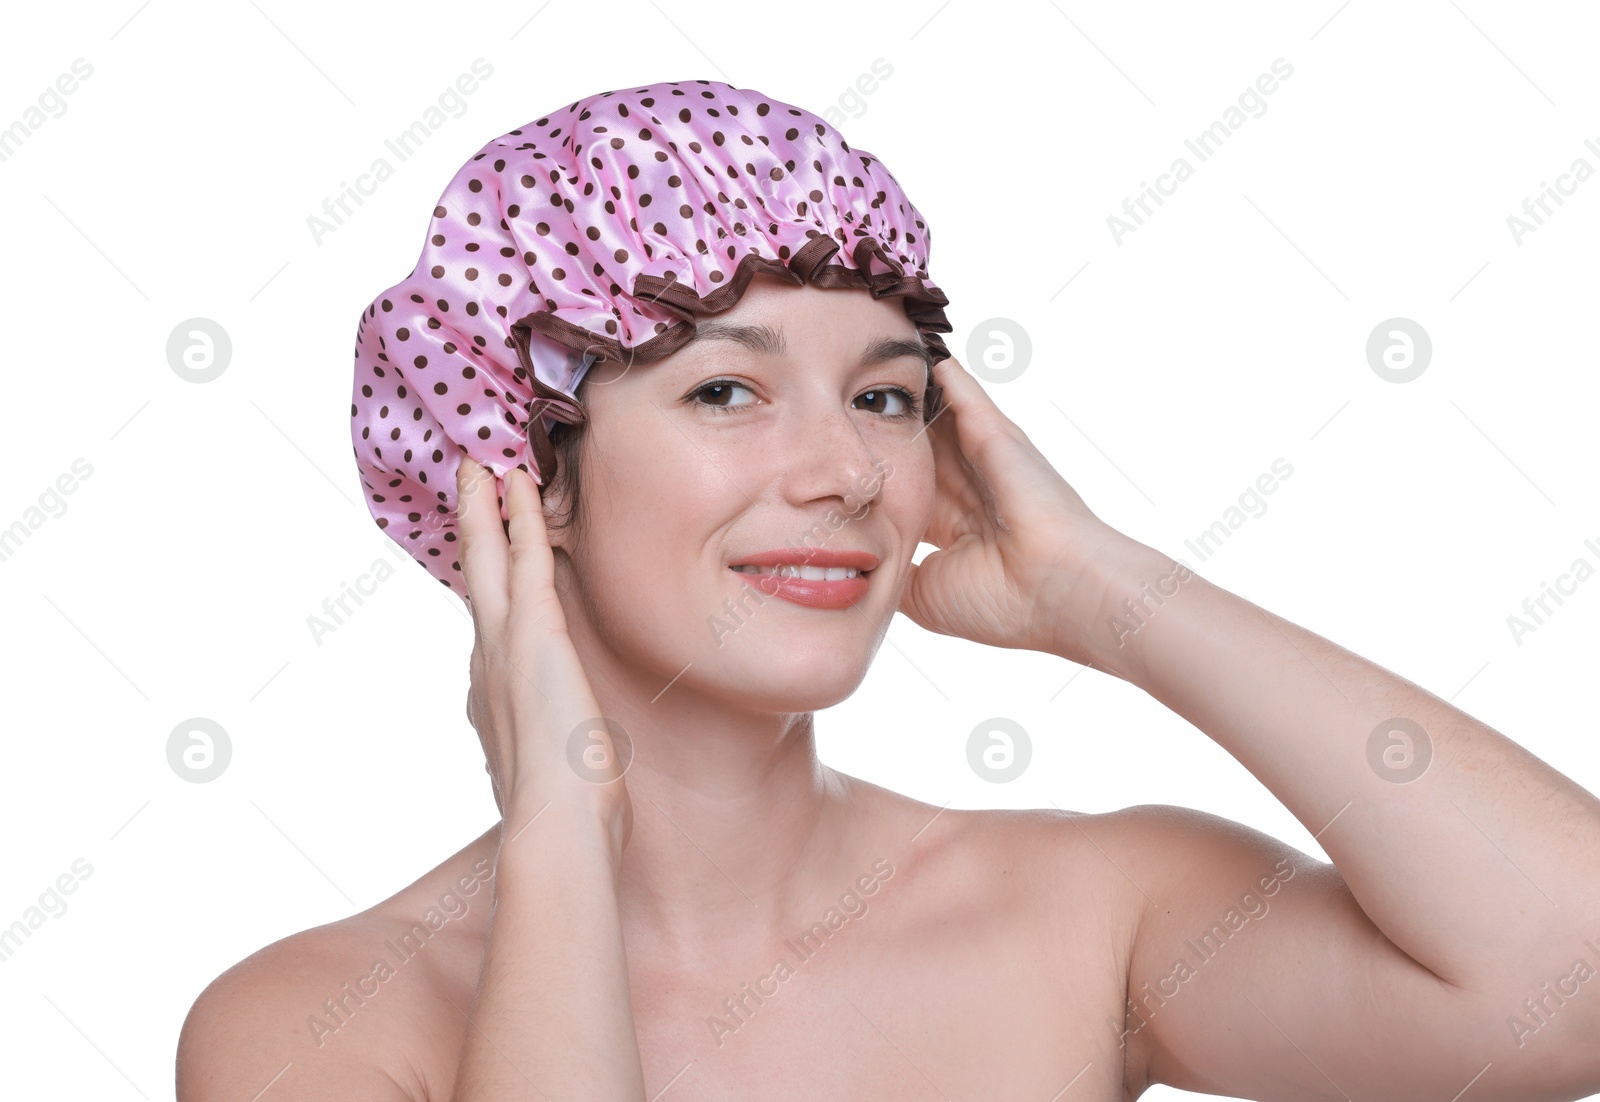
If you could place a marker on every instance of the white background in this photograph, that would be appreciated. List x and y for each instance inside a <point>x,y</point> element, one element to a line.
<point>1227,332</point>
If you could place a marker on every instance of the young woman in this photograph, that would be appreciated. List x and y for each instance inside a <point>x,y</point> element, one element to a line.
<point>680,901</point>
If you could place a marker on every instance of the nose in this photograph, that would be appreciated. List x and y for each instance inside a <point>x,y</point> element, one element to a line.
<point>829,457</point>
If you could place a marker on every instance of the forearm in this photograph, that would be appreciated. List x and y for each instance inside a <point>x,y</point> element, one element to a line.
<point>1485,868</point>
<point>553,1017</point>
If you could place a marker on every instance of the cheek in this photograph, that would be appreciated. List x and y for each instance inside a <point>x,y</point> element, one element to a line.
<point>653,504</point>
<point>911,490</point>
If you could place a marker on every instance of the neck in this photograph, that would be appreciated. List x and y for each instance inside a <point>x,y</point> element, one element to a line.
<point>737,827</point>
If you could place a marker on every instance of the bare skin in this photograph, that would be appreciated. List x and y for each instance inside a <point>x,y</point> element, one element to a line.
<point>955,959</point>
<point>1007,955</point>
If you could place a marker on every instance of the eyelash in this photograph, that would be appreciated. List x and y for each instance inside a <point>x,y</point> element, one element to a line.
<point>913,407</point>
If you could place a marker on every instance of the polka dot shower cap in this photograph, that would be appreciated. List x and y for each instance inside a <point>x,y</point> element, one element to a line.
<point>602,231</point>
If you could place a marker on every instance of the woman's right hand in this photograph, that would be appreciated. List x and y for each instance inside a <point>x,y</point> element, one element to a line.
<point>530,700</point>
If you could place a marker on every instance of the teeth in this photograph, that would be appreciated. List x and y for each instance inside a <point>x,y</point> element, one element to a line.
<point>808,573</point>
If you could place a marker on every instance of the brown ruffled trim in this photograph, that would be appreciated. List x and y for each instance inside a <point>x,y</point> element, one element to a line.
<point>924,305</point>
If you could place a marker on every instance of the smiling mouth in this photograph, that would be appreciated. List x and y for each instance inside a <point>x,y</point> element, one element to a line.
<point>806,572</point>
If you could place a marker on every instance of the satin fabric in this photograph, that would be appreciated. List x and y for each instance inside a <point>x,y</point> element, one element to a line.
<point>604,229</point>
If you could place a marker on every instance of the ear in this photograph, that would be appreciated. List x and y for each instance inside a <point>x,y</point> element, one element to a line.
<point>556,497</point>
<point>556,509</point>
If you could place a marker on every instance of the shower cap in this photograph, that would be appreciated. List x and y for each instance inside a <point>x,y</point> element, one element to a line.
<point>601,231</point>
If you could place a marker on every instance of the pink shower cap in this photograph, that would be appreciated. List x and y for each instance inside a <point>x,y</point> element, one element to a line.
<point>602,231</point>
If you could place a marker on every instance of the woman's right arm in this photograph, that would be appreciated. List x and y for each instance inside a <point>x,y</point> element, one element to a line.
<point>553,1017</point>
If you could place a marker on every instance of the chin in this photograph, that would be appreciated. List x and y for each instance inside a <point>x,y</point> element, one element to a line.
<point>784,673</point>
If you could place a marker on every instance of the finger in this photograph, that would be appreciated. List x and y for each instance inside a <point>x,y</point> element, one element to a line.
<point>999,455</point>
<point>960,491</point>
<point>482,553</point>
<point>531,566</point>
<point>978,418</point>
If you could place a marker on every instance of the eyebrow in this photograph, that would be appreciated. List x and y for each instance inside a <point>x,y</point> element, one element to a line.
<point>767,340</point>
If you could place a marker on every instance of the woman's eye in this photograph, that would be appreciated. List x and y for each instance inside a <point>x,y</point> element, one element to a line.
<point>906,407</point>
<point>725,387</point>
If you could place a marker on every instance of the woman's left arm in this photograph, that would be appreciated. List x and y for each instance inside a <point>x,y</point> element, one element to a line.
<point>1459,929</point>
<point>1470,854</point>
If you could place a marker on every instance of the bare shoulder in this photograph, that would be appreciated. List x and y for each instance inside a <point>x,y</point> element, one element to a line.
<point>1149,856</point>
<point>348,1010</point>
<point>248,1029</point>
<point>1059,858</point>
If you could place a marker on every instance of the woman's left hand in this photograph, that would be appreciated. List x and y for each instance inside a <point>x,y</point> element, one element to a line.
<point>1021,562</point>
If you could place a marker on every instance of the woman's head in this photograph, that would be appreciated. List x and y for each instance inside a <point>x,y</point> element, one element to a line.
<point>609,232</point>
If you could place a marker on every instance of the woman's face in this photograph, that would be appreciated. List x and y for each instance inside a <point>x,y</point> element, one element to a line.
<point>805,445</point>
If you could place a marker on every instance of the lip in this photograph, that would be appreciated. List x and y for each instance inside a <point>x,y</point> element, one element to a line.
<point>804,591</point>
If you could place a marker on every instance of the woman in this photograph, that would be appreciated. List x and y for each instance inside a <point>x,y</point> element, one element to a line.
<point>680,900</point>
